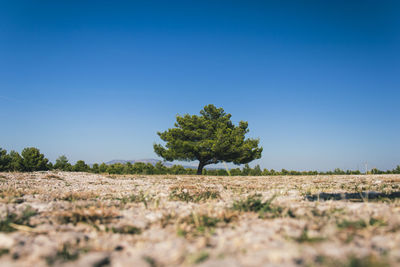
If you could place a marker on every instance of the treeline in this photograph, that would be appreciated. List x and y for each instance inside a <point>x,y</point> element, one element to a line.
<point>31,159</point>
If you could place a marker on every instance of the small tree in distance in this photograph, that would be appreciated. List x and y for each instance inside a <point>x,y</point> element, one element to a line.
<point>16,161</point>
<point>103,168</point>
<point>95,168</point>
<point>33,160</point>
<point>4,160</point>
<point>210,138</point>
<point>81,166</point>
<point>62,164</point>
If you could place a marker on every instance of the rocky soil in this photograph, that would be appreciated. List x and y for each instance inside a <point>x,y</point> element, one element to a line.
<point>80,219</point>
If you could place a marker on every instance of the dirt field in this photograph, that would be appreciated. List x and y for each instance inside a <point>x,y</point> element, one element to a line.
<point>79,219</point>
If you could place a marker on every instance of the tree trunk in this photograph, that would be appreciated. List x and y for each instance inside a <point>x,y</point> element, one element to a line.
<point>200,168</point>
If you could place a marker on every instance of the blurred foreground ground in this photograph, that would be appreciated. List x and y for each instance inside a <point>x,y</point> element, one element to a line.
<point>79,219</point>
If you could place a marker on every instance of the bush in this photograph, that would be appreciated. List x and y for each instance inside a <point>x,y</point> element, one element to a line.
<point>265,209</point>
<point>81,166</point>
<point>102,168</point>
<point>4,160</point>
<point>116,168</point>
<point>95,168</point>
<point>397,170</point>
<point>62,164</point>
<point>16,161</point>
<point>33,160</point>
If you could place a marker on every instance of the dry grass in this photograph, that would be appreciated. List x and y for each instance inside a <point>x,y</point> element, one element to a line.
<point>192,194</point>
<point>10,221</point>
<point>93,215</point>
<point>53,176</point>
<point>75,196</point>
<point>184,220</point>
<point>201,224</point>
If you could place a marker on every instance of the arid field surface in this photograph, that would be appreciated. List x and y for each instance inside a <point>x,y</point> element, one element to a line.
<point>80,219</point>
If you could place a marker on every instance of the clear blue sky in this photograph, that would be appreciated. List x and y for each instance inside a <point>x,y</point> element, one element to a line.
<point>318,81</point>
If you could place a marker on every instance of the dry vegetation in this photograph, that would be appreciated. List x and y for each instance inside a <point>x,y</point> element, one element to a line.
<point>79,219</point>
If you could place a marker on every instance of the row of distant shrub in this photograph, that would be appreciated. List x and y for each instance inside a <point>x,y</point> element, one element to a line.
<point>31,159</point>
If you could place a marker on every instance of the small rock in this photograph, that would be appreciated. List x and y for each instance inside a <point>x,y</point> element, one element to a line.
<point>95,259</point>
<point>6,242</point>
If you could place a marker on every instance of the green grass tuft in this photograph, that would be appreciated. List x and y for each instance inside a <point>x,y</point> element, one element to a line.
<point>305,238</point>
<point>22,219</point>
<point>185,195</point>
<point>126,229</point>
<point>265,209</point>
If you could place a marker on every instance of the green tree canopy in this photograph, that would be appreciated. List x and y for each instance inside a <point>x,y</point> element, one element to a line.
<point>81,166</point>
<point>33,160</point>
<point>256,171</point>
<point>62,164</point>
<point>160,168</point>
<point>4,160</point>
<point>209,138</point>
<point>103,168</point>
<point>397,170</point>
<point>16,161</point>
<point>95,168</point>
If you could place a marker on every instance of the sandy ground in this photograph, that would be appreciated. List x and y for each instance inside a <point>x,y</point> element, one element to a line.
<point>80,219</point>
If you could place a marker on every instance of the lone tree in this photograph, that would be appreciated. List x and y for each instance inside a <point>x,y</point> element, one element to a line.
<point>210,138</point>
